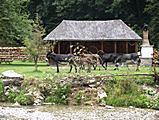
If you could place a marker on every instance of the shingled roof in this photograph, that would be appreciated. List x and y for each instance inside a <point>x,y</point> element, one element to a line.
<point>110,30</point>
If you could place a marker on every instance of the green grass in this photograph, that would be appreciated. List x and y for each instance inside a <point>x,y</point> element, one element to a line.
<point>27,69</point>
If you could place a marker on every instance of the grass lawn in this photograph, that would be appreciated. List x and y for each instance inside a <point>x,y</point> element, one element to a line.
<point>27,69</point>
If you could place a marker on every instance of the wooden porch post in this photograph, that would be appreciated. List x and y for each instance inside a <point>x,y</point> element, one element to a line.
<point>51,46</point>
<point>71,47</point>
<point>102,45</point>
<point>136,48</point>
<point>58,47</point>
<point>127,49</point>
<point>115,47</point>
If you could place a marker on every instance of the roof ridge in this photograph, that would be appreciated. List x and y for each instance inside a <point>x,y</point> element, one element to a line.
<point>91,20</point>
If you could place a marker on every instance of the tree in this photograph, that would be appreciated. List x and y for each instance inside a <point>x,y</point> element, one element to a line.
<point>34,44</point>
<point>47,12</point>
<point>14,22</point>
<point>53,12</point>
<point>152,10</point>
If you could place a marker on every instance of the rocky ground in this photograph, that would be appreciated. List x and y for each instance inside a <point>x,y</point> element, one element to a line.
<point>76,113</point>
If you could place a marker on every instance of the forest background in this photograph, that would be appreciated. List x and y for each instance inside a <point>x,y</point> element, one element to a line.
<point>17,16</point>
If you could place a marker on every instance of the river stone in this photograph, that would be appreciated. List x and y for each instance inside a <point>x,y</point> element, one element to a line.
<point>109,107</point>
<point>16,104</point>
<point>16,82</point>
<point>11,74</point>
<point>101,93</point>
<point>11,78</point>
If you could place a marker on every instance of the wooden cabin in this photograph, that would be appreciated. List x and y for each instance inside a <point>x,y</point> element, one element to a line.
<point>111,36</point>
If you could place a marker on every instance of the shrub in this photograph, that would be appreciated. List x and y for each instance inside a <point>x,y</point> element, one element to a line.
<point>23,99</point>
<point>78,98</point>
<point>109,85</point>
<point>126,93</point>
<point>142,101</point>
<point>59,94</point>
<point>128,100</point>
<point>126,86</point>
<point>155,104</point>
<point>11,96</point>
<point>2,97</point>
<point>148,80</point>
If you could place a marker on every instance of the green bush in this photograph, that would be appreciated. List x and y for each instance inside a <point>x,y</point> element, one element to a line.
<point>78,98</point>
<point>2,97</point>
<point>126,86</point>
<point>109,84</point>
<point>141,101</point>
<point>11,96</point>
<point>141,80</point>
<point>126,93</point>
<point>128,100</point>
<point>155,104</point>
<point>59,94</point>
<point>23,99</point>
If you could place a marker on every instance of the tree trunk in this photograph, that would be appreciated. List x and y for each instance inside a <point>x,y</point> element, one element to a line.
<point>36,63</point>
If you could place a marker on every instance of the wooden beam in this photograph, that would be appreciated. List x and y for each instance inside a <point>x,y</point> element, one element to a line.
<point>136,47</point>
<point>115,47</point>
<point>71,47</point>
<point>102,46</point>
<point>127,48</point>
<point>58,47</point>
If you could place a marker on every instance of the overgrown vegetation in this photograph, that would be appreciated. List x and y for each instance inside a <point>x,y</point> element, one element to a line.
<point>59,94</point>
<point>124,93</point>
<point>24,99</point>
<point>127,91</point>
<point>120,90</point>
<point>2,97</point>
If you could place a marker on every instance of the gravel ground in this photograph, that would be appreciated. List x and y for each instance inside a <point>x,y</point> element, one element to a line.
<point>77,113</point>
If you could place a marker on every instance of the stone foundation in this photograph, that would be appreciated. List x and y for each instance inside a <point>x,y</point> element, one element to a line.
<point>146,61</point>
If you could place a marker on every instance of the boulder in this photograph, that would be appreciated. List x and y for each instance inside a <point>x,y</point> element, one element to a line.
<point>11,74</point>
<point>11,77</point>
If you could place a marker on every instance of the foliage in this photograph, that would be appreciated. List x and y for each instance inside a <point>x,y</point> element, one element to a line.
<point>2,97</point>
<point>53,12</point>
<point>141,80</point>
<point>152,9</point>
<point>59,94</point>
<point>19,97</point>
<point>128,100</point>
<point>78,97</point>
<point>35,43</point>
<point>126,92</point>
<point>11,96</point>
<point>14,22</point>
<point>1,88</point>
<point>155,104</point>
<point>109,85</point>
<point>24,99</point>
<point>15,25</point>
<point>126,86</point>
